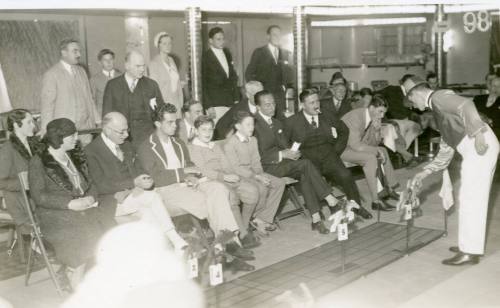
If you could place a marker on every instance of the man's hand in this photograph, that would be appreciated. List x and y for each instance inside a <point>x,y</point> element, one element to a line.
<point>231,178</point>
<point>480,144</point>
<point>263,179</point>
<point>192,170</point>
<point>143,181</point>
<point>211,112</point>
<point>192,181</point>
<point>289,154</point>
<point>381,154</point>
<point>81,204</point>
<point>416,182</point>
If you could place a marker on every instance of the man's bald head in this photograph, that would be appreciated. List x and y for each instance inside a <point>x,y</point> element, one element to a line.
<point>115,127</point>
<point>134,64</point>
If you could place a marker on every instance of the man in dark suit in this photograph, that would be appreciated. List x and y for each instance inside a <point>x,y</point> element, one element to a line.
<point>334,101</point>
<point>224,127</point>
<point>322,140</point>
<point>488,104</point>
<point>280,160</point>
<point>220,82</point>
<point>124,189</point>
<point>268,65</point>
<point>135,96</point>
<point>185,126</point>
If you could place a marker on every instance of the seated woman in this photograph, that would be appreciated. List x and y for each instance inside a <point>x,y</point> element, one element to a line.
<point>243,155</point>
<point>209,157</point>
<point>16,154</point>
<point>65,198</point>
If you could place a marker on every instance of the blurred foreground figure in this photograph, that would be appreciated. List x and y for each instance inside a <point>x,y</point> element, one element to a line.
<point>136,269</point>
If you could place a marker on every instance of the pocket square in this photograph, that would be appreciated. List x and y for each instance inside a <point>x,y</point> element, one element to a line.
<point>152,103</point>
<point>334,132</point>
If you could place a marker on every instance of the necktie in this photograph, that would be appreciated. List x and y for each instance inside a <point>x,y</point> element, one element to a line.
<point>119,153</point>
<point>367,127</point>
<point>276,54</point>
<point>314,123</point>
<point>270,122</point>
<point>109,75</point>
<point>133,84</point>
<point>190,134</point>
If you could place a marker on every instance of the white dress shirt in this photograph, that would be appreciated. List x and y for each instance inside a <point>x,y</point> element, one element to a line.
<point>368,118</point>
<point>274,51</point>
<point>132,82</point>
<point>110,144</point>
<point>189,129</point>
<point>110,74</point>
<point>173,161</point>
<point>309,118</point>
<point>68,67</point>
<point>266,118</point>
<point>221,56</point>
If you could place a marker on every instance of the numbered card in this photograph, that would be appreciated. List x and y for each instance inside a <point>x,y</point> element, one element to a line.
<point>215,274</point>
<point>342,232</point>
<point>408,212</point>
<point>193,267</point>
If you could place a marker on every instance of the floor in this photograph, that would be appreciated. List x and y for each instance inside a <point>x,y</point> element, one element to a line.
<point>415,281</point>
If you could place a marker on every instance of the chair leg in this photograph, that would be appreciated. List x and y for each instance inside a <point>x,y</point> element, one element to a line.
<point>30,261</point>
<point>50,269</point>
<point>20,245</point>
<point>294,196</point>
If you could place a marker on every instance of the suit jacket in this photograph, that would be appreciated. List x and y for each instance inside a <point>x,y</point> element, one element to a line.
<point>356,120</point>
<point>225,123</point>
<point>66,96</point>
<point>159,73</point>
<point>153,160</point>
<point>263,68</point>
<point>134,106</point>
<point>97,85</point>
<point>109,174</point>
<point>397,103</point>
<point>328,105</point>
<point>492,112</point>
<point>317,144</point>
<point>271,140</point>
<point>182,132</point>
<point>219,89</point>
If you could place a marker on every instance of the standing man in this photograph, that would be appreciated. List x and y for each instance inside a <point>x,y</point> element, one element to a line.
<point>185,126</point>
<point>220,82</point>
<point>488,105</point>
<point>280,160</point>
<point>461,130</point>
<point>268,65</point>
<point>66,92</point>
<point>106,58</point>
<point>135,96</point>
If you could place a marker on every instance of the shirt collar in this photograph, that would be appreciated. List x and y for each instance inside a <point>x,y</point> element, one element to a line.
<point>202,144</point>
<point>428,99</point>
<point>106,73</point>
<point>368,117</point>
<point>67,67</point>
<point>310,117</point>
<point>241,137</point>
<point>129,79</point>
<point>216,50</point>
<point>110,144</point>
<point>266,118</point>
<point>188,125</point>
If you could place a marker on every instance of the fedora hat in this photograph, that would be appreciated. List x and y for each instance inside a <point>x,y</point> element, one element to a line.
<point>411,83</point>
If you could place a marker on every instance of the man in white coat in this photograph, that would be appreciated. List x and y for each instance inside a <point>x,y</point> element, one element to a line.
<point>462,130</point>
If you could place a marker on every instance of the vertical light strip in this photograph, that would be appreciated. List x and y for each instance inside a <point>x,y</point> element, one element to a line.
<point>300,48</point>
<point>193,24</point>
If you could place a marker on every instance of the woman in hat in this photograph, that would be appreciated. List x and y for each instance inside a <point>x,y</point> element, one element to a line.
<point>163,70</point>
<point>65,198</point>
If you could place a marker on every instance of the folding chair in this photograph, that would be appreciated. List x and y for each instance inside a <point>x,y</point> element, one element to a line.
<point>299,207</point>
<point>36,236</point>
<point>6,220</point>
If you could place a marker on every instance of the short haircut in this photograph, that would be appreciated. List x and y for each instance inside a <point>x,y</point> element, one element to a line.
<point>418,87</point>
<point>337,75</point>
<point>160,111</point>
<point>57,130</point>
<point>430,75</point>
<point>271,27</point>
<point>260,94</point>
<point>64,43</point>
<point>355,99</point>
<point>378,101</point>
<point>365,91</point>
<point>405,77</point>
<point>203,119</point>
<point>214,31</point>
<point>187,105</point>
<point>104,52</point>
<point>306,93</point>
<point>240,116</point>
<point>16,116</point>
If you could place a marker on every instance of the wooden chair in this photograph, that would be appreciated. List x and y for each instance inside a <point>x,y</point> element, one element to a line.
<point>36,236</point>
<point>16,237</point>
<point>299,208</point>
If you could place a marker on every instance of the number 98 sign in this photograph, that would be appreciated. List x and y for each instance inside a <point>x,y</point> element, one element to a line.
<point>480,21</point>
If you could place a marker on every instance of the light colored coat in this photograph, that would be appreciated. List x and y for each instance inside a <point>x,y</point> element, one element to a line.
<point>98,83</point>
<point>159,73</point>
<point>66,96</point>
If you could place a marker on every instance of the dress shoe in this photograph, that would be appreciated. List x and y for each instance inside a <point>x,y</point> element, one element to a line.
<point>392,195</point>
<point>263,228</point>
<point>461,259</point>
<point>237,251</point>
<point>250,240</point>
<point>382,206</point>
<point>238,265</point>
<point>454,249</point>
<point>320,227</point>
<point>362,212</point>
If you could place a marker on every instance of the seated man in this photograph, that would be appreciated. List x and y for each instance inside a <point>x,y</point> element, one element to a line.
<point>280,160</point>
<point>322,140</point>
<point>185,127</point>
<point>123,189</point>
<point>213,163</point>
<point>224,126</point>
<point>334,101</point>
<point>167,160</point>
<point>488,105</point>
<point>362,148</point>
